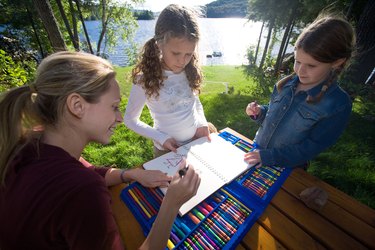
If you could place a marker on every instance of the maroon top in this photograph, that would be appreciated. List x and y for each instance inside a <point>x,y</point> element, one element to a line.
<point>54,202</point>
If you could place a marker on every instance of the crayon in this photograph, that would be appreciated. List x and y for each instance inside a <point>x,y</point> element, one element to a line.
<point>170,244</point>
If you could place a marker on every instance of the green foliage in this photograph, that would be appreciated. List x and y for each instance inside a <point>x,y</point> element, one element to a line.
<point>144,15</point>
<point>350,163</point>
<point>22,23</point>
<point>12,73</point>
<point>226,8</point>
<point>263,81</point>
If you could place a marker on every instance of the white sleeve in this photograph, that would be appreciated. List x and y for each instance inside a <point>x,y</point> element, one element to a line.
<point>136,103</point>
<point>199,108</point>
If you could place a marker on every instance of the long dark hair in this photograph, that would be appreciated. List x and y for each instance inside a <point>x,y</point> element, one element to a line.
<point>327,39</point>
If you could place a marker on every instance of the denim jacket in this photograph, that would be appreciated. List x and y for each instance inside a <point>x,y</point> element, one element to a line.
<point>293,131</point>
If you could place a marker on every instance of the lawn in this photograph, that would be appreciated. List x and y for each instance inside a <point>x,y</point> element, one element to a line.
<point>349,165</point>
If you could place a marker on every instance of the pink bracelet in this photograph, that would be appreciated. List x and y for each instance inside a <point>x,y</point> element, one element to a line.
<point>122,175</point>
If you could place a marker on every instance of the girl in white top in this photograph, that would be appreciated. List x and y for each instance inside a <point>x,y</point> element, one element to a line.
<point>167,79</point>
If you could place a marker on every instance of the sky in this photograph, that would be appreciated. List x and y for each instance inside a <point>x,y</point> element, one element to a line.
<point>158,5</point>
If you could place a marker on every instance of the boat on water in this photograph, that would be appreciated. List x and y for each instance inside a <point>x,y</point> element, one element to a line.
<point>215,54</point>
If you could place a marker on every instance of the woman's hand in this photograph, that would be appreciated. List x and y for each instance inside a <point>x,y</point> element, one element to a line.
<point>182,188</point>
<point>253,109</point>
<point>151,178</point>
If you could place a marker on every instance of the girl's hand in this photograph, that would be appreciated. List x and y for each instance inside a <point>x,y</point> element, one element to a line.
<point>171,145</point>
<point>253,158</point>
<point>202,131</point>
<point>152,178</point>
<point>253,109</point>
<point>182,188</point>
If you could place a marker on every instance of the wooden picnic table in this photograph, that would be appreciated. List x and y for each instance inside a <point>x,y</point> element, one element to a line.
<point>286,223</point>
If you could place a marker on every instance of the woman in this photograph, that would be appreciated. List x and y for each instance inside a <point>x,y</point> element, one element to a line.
<point>49,199</point>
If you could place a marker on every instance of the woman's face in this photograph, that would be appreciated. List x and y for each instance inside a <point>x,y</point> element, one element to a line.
<point>177,53</point>
<point>103,117</point>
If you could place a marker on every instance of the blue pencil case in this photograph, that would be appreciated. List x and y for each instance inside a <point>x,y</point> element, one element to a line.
<point>221,220</point>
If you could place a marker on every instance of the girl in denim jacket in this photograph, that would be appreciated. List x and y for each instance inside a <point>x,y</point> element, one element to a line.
<point>308,110</point>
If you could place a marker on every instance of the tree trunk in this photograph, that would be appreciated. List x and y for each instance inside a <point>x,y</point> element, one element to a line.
<point>350,9</point>
<point>259,39</point>
<point>284,43</point>
<point>74,23</point>
<point>42,53</point>
<point>269,37</point>
<point>287,40</point>
<point>50,24</point>
<point>104,26</point>
<point>84,26</point>
<point>364,63</point>
<point>67,25</point>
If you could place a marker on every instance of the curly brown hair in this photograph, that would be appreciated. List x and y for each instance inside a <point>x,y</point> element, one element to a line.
<point>174,21</point>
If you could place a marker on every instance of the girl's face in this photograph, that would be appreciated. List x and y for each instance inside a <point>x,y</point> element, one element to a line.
<point>177,53</point>
<point>102,118</point>
<point>310,71</point>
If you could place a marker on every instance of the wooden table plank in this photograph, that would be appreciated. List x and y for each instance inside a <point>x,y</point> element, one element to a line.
<point>338,215</point>
<point>259,238</point>
<point>129,228</point>
<point>291,235</point>
<point>314,224</point>
<point>360,210</point>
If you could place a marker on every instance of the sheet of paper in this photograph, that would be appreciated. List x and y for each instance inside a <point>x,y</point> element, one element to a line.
<point>217,163</point>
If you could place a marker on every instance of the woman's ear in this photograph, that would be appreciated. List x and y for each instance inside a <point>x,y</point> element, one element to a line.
<point>75,105</point>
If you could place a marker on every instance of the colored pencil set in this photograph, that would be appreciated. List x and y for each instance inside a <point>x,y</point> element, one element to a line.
<point>210,225</point>
<point>260,180</point>
<point>238,142</point>
<point>221,220</point>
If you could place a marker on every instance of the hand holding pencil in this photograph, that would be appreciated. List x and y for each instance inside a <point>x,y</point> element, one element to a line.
<point>253,109</point>
<point>184,184</point>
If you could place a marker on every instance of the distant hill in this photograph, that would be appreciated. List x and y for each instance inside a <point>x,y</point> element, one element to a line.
<point>227,8</point>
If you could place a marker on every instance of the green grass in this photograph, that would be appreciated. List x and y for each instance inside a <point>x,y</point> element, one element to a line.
<point>349,165</point>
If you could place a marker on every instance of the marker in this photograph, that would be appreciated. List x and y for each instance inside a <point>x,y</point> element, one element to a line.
<point>183,171</point>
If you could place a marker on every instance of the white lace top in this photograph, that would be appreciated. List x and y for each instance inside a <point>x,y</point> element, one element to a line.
<point>177,112</point>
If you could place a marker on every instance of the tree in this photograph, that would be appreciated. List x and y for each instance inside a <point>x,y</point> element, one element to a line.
<point>277,14</point>
<point>364,62</point>
<point>285,41</point>
<point>269,36</point>
<point>84,26</point>
<point>22,22</point>
<point>117,21</point>
<point>67,25</point>
<point>50,24</point>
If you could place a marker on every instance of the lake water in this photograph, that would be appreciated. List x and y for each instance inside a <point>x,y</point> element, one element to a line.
<point>230,36</point>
